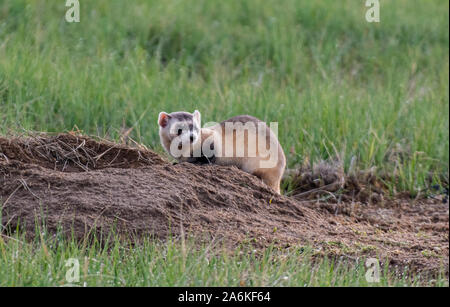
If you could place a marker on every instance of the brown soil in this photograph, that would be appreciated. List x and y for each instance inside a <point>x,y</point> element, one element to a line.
<point>85,185</point>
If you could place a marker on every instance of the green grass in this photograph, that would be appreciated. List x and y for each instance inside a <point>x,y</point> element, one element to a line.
<point>334,82</point>
<point>44,262</point>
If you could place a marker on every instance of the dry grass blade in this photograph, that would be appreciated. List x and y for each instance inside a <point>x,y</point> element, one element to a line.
<point>73,152</point>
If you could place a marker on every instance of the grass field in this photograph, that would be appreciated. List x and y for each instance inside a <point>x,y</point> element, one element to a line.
<point>333,81</point>
<point>375,93</point>
<point>46,262</point>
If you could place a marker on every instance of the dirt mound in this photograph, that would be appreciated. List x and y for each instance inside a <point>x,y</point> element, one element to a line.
<point>74,153</point>
<point>83,185</point>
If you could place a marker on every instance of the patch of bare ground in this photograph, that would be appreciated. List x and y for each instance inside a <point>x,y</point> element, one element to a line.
<point>85,185</point>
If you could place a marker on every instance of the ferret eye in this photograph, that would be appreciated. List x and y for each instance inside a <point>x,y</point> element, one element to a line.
<point>180,131</point>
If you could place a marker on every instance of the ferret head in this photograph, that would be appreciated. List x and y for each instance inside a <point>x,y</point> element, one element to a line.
<point>182,127</point>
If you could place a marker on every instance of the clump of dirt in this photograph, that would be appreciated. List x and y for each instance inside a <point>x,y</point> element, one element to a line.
<point>327,181</point>
<point>309,182</point>
<point>82,185</point>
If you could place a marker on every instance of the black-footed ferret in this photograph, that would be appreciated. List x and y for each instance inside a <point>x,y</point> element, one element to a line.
<point>243,141</point>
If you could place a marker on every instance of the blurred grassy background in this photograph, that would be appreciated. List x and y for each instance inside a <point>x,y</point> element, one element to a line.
<point>333,81</point>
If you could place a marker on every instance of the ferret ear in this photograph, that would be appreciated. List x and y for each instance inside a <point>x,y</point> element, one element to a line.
<point>197,116</point>
<point>163,119</point>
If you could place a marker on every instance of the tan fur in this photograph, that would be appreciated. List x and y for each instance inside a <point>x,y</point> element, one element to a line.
<point>236,146</point>
<point>250,164</point>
